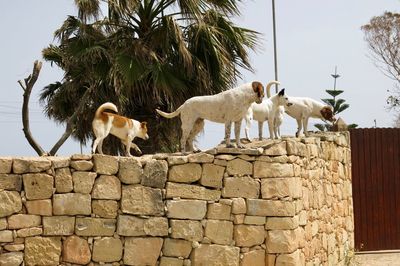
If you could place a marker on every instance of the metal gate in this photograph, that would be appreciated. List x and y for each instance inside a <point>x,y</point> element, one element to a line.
<point>375,155</point>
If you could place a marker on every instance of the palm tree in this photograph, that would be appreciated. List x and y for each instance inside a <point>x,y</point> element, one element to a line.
<point>144,55</point>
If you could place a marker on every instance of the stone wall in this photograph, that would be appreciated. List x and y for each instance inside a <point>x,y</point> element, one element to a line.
<point>283,202</point>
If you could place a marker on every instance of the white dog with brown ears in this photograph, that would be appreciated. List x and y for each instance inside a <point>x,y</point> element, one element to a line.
<point>124,128</point>
<point>225,107</point>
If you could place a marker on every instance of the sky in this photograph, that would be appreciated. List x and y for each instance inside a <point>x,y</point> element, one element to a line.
<point>313,37</point>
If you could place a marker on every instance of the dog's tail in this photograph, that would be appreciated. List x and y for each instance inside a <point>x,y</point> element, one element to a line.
<point>170,115</point>
<point>105,106</point>
<point>269,85</point>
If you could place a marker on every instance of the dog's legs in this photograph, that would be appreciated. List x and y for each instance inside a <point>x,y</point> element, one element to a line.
<point>305,126</point>
<point>187,126</point>
<point>271,128</point>
<point>260,129</point>
<point>299,127</point>
<point>238,124</point>
<point>228,126</point>
<point>95,144</point>
<point>247,128</point>
<point>197,128</point>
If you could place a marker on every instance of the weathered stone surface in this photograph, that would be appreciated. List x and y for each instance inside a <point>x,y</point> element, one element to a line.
<point>282,223</point>
<point>30,165</point>
<point>42,250</point>
<point>76,250</point>
<point>259,207</point>
<point>39,207</point>
<point>58,225</point>
<point>6,236</point>
<point>155,174</point>
<point>14,247</point>
<point>254,220</point>
<point>212,175</point>
<point>186,229</point>
<point>186,209</point>
<point>291,259</point>
<point>255,151</point>
<point>200,158</point>
<point>27,232</point>
<point>72,204</point>
<point>94,227</point>
<point>107,187</point>
<point>174,160</point>
<point>142,251</point>
<point>281,241</point>
<point>11,259</point>
<point>219,232</point>
<point>219,211</point>
<point>248,235</point>
<point>176,248</point>
<point>281,188</point>
<point>83,181</point>
<point>10,203</point>
<point>296,148</point>
<point>239,167</point>
<point>130,170</point>
<point>185,173</point>
<point>134,226</point>
<point>10,182</point>
<point>105,208</point>
<point>63,180</point>
<point>239,206</point>
<point>142,200</point>
<point>3,223</point>
<point>38,186</point>
<point>82,165</point>
<point>215,255</point>
<point>266,169</point>
<point>275,149</point>
<point>5,165</point>
<point>79,157</point>
<point>107,249</point>
<point>245,187</point>
<point>168,261</point>
<point>59,162</point>
<point>19,221</point>
<point>254,258</point>
<point>105,164</point>
<point>187,191</point>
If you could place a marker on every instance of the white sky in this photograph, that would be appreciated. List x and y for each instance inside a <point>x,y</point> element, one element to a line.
<point>313,37</point>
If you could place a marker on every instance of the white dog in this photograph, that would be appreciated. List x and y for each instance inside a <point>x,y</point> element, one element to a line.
<point>270,109</point>
<point>122,127</point>
<point>225,107</point>
<point>303,108</point>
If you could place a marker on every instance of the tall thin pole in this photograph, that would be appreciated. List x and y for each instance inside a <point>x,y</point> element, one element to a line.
<point>275,53</point>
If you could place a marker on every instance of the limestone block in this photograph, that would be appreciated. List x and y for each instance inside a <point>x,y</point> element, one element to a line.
<point>239,167</point>
<point>11,258</point>
<point>176,159</point>
<point>107,249</point>
<point>248,235</point>
<point>58,225</point>
<point>275,149</point>
<point>292,259</point>
<point>296,148</point>
<point>200,158</point>
<point>251,151</point>
<point>134,226</point>
<point>79,156</point>
<point>176,248</point>
<point>42,250</point>
<point>5,165</point>
<point>239,206</point>
<point>105,164</point>
<point>107,187</point>
<point>10,203</point>
<point>253,258</point>
<point>244,187</point>
<point>38,186</point>
<point>168,261</point>
<point>186,209</point>
<point>6,236</point>
<point>186,229</point>
<point>142,200</point>
<point>94,227</point>
<point>187,191</point>
<point>281,188</point>
<point>260,207</point>
<point>265,169</point>
<point>63,180</point>
<point>254,220</point>
<point>10,182</point>
<point>14,247</point>
<point>219,232</point>
<point>282,223</point>
<point>82,165</point>
<point>155,174</point>
<point>142,251</point>
<point>18,221</point>
<point>185,173</point>
<point>27,232</point>
<point>212,175</point>
<point>72,204</point>
<point>105,208</point>
<point>281,241</point>
<point>215,255</point>
<point>30,165</point>
<point>219,211</point>
<point>39,207</point>
<point>156,226</point>
<point>130,170</point>
<point>3,223</point>
<point>59,162</point>
<point>83,181</point>
<point>76,250</point>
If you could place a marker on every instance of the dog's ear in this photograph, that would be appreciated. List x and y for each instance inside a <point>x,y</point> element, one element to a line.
<point>143,125</point>
<point>281,92</point>
<point>327,113</point>
<point>258,88</point>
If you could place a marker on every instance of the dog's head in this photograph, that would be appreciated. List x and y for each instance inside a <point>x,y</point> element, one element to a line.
<point>258,88</point>
<point>327,113</point>
<point>283,100</point>
<point>143,131</point>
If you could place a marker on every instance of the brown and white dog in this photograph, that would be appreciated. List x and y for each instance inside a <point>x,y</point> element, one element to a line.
<point>226,107</point>
<point>124,128</point>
